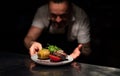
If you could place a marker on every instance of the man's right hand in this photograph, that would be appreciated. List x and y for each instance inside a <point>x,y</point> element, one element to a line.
<point>35,47</point>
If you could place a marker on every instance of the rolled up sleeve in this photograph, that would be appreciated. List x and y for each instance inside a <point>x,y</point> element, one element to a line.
<point>83,35</point>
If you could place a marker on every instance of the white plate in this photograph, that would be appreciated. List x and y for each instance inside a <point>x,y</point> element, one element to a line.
<point>48,62</point>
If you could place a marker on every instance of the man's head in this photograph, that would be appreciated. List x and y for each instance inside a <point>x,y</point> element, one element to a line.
<point>59,10</point>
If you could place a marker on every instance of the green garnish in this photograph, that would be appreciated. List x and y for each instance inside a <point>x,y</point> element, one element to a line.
<point>53,48</point>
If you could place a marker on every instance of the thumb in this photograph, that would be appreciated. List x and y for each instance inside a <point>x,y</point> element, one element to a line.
<point>79,46</point>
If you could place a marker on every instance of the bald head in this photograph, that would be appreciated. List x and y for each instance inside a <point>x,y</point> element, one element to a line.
<point>58,8</point>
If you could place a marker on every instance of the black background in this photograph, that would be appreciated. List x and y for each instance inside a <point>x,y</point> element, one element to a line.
<point>16,18</point>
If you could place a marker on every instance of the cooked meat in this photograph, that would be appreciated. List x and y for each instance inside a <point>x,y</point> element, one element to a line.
<point>61,54</point>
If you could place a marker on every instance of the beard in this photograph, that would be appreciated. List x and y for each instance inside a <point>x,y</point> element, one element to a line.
<point>61,24</point>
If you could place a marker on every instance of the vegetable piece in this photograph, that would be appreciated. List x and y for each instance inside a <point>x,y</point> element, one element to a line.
<point>53,48</point>
<point>43,54</point>
<point>54,58</point>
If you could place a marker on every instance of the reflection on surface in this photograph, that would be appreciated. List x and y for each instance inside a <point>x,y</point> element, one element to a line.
<point>21,65</point>
<point>96,70</point>
<point>73,69</point>
<point>41,70</point>
<point>76,66</point>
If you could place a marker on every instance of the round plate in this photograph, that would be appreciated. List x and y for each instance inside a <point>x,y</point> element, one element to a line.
<point>48,62</point>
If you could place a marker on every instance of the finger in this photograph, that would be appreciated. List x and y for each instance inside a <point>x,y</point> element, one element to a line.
<point>36,49</point>
<point>79,46</point>
<point>40,47</point>
<point>32,51</point>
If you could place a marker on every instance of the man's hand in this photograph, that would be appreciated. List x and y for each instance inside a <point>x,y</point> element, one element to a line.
<point>35,47</point>
<point>76,52</point>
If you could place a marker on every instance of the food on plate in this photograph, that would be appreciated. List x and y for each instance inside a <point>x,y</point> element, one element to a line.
<point>43,54</point>
<point>52,52</point>
<point>54,58</point>
<point>53,48</point>
<point>57,56</point>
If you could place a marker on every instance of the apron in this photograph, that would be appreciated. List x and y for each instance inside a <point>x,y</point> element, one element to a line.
<point>60,40</point>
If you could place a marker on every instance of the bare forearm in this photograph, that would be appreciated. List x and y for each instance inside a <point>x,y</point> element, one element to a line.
<point>28,41</point>
<point>32,35</point>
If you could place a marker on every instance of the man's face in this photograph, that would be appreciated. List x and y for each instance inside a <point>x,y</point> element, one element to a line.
<point>58,12</point>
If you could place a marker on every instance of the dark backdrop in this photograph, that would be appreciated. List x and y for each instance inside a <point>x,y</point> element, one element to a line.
<point>17,17</point>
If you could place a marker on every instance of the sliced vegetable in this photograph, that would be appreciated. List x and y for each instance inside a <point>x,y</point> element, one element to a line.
<point>54,58</point>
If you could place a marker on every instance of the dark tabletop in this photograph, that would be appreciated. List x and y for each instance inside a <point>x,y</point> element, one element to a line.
<point>14,64</point>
